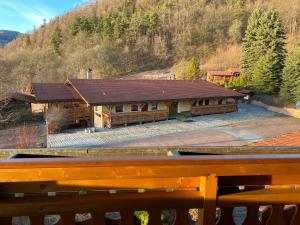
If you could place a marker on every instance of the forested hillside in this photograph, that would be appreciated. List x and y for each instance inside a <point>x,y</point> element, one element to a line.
<point>117,37</point>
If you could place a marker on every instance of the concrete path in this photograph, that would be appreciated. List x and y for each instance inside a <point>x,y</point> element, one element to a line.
<point>250,123</point>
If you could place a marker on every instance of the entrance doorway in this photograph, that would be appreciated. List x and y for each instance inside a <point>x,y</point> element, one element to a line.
<point>145,108</point>
<point>173,108</point>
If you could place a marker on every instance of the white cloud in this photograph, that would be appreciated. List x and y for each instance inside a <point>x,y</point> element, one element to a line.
<point>81,2</point>
<point>32,12</point>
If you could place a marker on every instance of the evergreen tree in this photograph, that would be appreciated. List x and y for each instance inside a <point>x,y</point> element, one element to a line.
<point>193,70</point>
<point>296,90</point>
<point>264,74</point>
<point>56,40</point>
<point>290,89</point>
<point>248,57</point>
<point>264,40</point>
<point>76,26</point>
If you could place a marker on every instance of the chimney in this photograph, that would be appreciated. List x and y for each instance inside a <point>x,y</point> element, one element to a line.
<point>89,74</point>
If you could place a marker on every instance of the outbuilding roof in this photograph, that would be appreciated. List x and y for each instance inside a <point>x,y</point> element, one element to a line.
<point>289,139</point>
<point>54,92</point>
<point>220,73</point>
<point>21,97</point>
<point>235,70</point>
<point>104,92</point>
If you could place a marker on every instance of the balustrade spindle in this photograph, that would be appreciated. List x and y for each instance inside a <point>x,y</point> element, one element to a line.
<point>182,217</point>
<point>277,217</point>
<point>98,218</point>
<point>292,214</point>
<point>67,219</point>
<point>226,216</point>
<point>289,213</point>
<point>6,220</point>
<point>252,216</point>
<point>127,217</point>
<point>266,214</point>
<point>296,219</point>
<point>154,217</point>
<point>37,220</point>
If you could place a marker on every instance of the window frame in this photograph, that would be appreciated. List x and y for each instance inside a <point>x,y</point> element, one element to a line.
<point>119,111</point>
<point>201,101</point>
<point>206,102</point>
<point>151,106</point>
<point>134,105</point>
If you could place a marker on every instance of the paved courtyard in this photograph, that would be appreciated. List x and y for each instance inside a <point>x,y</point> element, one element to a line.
<point>251,123</point>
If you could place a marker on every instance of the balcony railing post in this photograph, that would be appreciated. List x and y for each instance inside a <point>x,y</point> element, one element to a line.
<point>127,217</point>
<point>98,218</point>
<point>252,216</point>
<point>208,189</point>
<point>226,216</point>
<point>182,217</point>
<point>277,217</point>
<point>154,217</point>
<point>67,219</point>
<point>6,220</point>
<point>36,220</point>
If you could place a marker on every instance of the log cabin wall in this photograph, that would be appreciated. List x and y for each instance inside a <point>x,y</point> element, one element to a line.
<point>214,106</point>
<point>109,116</point>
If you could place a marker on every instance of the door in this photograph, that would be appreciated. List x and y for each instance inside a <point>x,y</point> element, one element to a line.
<point>145,108</point>
<point>173,108</point>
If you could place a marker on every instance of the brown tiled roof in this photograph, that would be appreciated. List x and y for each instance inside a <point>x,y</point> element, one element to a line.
<point>23,97</point>
<point>220,73</point>
<point>246,92</point>
<point>234,70</point>
<point>54,92</point>
<point>96,92</point>
<point>289,139</point>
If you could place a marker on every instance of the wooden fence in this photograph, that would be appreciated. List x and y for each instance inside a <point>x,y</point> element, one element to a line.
<point>115,119</point>
<point>213,109</point>
<point>68,186</point>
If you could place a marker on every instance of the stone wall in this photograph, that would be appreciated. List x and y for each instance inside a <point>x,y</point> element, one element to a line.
<point>283,110</point>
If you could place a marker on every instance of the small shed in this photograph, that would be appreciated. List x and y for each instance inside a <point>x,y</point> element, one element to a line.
<point>15,108</point>
<point>247,94</point>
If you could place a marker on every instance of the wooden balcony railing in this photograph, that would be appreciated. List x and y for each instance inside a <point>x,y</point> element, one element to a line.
<point>212,109</point>
<point>65,187</point>
<point>133,117</point>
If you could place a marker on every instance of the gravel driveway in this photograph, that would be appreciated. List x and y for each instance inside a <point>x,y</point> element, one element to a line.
<point>250,123</point>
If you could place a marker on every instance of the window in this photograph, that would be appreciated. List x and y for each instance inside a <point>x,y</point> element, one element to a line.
<point>153,106</point>
<point>206,102</point>
<point>119,108</point>
<point>220,101</point>
<point>230,101</point>
<point>198,103</point>
<point>134,108</point>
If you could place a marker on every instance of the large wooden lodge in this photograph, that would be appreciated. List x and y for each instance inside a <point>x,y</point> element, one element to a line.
<point>109,103</point>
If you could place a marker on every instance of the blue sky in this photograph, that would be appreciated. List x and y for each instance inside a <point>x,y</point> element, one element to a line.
<point>23,15</point>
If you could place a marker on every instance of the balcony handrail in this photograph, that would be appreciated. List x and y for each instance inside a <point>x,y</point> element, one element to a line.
<point>178,182</point>
<point>137,112</point>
